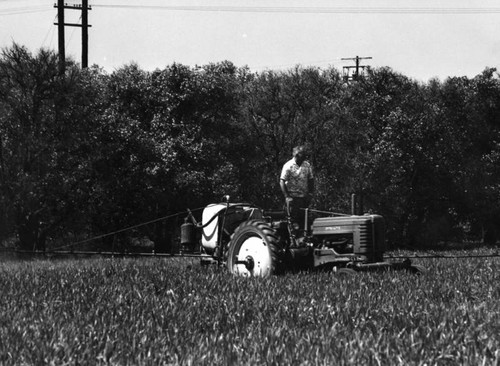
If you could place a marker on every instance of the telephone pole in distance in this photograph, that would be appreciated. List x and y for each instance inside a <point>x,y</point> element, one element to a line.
<point>357,68</point>
<point>84,8</point>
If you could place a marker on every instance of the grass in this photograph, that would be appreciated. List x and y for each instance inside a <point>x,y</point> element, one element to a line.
<point>172,311</point>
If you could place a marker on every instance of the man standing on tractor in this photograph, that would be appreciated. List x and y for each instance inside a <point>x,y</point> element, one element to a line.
<point>297,184</point>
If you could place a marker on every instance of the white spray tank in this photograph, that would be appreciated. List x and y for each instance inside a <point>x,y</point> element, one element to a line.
<point>210,232</point>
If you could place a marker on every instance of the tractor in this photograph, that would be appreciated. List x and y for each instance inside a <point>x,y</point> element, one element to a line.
<point>251,241</point>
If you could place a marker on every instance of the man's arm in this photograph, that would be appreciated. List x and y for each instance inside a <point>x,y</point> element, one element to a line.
<point>283,188</point>
<point>310,181</point>
<point>310,184</point>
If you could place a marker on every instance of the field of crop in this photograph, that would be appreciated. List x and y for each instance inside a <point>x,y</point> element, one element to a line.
<point>172,311</point>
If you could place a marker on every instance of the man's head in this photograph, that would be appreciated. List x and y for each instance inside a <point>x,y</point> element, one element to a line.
<point>299,153</point>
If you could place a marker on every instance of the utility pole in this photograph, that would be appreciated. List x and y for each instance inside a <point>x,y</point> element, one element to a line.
<point>347,69</point>
<point>85,33</point>
<point>60,27</point>
<point>84,8</point>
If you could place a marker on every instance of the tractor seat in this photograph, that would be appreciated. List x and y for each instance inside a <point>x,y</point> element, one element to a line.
<point>275,215</point>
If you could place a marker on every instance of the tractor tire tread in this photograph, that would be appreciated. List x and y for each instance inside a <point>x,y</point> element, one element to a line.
<point>268,234</point>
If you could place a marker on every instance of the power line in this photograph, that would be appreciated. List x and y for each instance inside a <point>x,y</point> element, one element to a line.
<point>24,10</point>
<point>17,1</point>
<point>70,38</point>
<point>298,10</point>
<point>50,31</point>
<point>281,9</point>
<point>309,10</point>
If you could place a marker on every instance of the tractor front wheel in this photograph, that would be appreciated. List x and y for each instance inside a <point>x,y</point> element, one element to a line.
<point>253,250</point>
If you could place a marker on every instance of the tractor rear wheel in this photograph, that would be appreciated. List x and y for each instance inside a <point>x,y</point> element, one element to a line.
<point>253,250</point>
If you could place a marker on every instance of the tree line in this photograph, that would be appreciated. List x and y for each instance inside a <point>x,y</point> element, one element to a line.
<point>88,152</point>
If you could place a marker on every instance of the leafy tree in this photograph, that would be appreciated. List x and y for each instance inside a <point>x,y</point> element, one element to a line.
<point>90,153</point>
<point>167,140</point>
<point>401,164</point>
<point>44,142</point>
<point>477,176</point>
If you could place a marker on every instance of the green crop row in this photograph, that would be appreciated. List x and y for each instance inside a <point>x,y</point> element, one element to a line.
<point>173,311</point>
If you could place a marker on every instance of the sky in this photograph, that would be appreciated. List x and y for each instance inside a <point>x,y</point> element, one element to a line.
<point>422,39</point>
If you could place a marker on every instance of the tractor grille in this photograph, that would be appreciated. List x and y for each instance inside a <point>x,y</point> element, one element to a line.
<point>366,232</point>
<point>371,237</point>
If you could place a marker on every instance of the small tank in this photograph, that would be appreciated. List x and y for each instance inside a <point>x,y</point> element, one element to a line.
<point>188,235</point>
